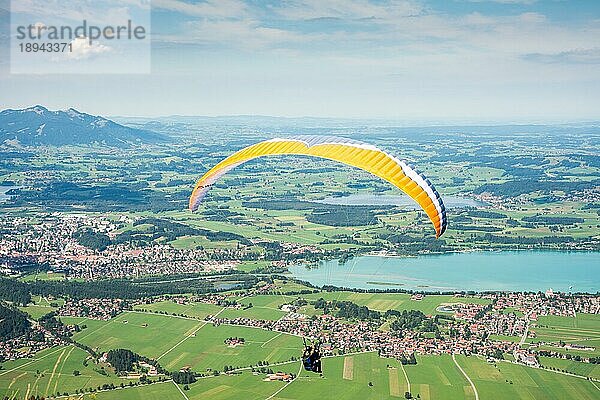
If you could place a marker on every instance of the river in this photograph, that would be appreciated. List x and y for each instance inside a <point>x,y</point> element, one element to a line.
<point>477,271</point>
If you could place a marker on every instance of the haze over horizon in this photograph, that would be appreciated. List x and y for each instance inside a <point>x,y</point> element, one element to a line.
<point>488,61</point>
<point>325,119</point>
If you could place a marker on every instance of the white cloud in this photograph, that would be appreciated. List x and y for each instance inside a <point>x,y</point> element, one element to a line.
<point>392,36</point>
<point>82,49</point>
<point>205,9</point>
<point>247,34</point>
<point>347,9</point>
<point>106,12</point>
<point>577,56</point>
<point>525,2</point>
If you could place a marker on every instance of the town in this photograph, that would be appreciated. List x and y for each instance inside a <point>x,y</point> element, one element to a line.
<point>460,327</point>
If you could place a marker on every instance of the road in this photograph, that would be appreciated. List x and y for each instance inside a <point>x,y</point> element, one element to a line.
<point>524,337</point>
<point>466,376</point>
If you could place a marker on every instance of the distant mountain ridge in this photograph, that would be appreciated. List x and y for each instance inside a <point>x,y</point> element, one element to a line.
<point>35,126</point>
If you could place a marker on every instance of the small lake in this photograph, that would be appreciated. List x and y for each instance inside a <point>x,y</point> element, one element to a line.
<point>478,271</point>
<point>365,199</point>
<point>3,190</point>
<point>228,285</point>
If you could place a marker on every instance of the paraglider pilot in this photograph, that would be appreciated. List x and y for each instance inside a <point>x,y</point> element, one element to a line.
<point>311,358</point>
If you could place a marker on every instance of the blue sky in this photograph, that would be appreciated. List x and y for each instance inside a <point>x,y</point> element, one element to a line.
<point>411,60</point>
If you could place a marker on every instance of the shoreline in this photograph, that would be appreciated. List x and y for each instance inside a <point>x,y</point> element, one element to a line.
<point>472,271</point>
<point>385,254</point>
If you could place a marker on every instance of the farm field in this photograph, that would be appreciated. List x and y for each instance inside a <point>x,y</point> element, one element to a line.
<point>50,372</point>
<point>505,380</point>
<point>268,301</point>
<point>249,266</point>
<point>43,276</point>
<point>582,330</point>
<point>348,377</point>
<point>268,306</point>
<point>437,378</point>
<point>157,391</point>
<point>177,342</point>
<point>582,321</point>
<point>207,350</point>
<point>128,331</point>
<point>254,312</point>
<point>41,306</point>
<point>194,310</point>
<point>241,386</point>
<point>367,376</point>
<point>37,311</point>
<point>263,307</point>
<point>395,301</point>
<point>574,367</point>
<point>505,338</point>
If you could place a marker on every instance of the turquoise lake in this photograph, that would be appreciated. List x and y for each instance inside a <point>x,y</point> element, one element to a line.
<point>367,199</point>
<point>478,271</point>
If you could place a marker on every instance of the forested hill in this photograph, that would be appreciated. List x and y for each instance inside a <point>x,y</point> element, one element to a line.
<point>37,125</point>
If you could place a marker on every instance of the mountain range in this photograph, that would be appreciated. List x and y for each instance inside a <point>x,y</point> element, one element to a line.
<point>38,126</point>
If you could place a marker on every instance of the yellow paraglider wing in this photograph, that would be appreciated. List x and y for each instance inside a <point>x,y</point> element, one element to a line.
<point>347,151</point>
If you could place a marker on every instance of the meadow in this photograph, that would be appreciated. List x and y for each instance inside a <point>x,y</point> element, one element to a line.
<point>51,372</point>
<point>206,350</point>
<point>147,334</point>
<point>395,301</point>
<point>180,338</point>
<point>254,308</point>
<point>178,341</point>
<point>582,330</point>
<point>194,310</point>
<point>505,380</point>
<point>571,366</point>
<point>224,387</point>
<point>367,376</point>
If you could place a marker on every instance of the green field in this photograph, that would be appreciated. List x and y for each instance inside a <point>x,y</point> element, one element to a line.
<point>352,376</point>
<point>574,367</point>
<point>249,266</point>
<point>366,376</point>
<point>194,310</point>
<point>207,350</point>
<point>505,380</point>
<point>584,330</point>
<point>395,301</point>
<point>505,338</point>
<point>40,306</point>
<point>582,321</point>
<point>177,342</point>
<point>268,301</point>
<point>51,371</point>
<point>254,312</point>
<point>268,306</point>
<point>43,276</point>
<point>263,307</point>
<point>242,386</point>
<point>437,378</point>
<point>348,378</point>
<point>128,331</point>
<point>158,391</point>
<point>36,311</point>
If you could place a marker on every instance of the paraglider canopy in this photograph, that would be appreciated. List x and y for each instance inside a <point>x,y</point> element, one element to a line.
<point>351,152</point>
